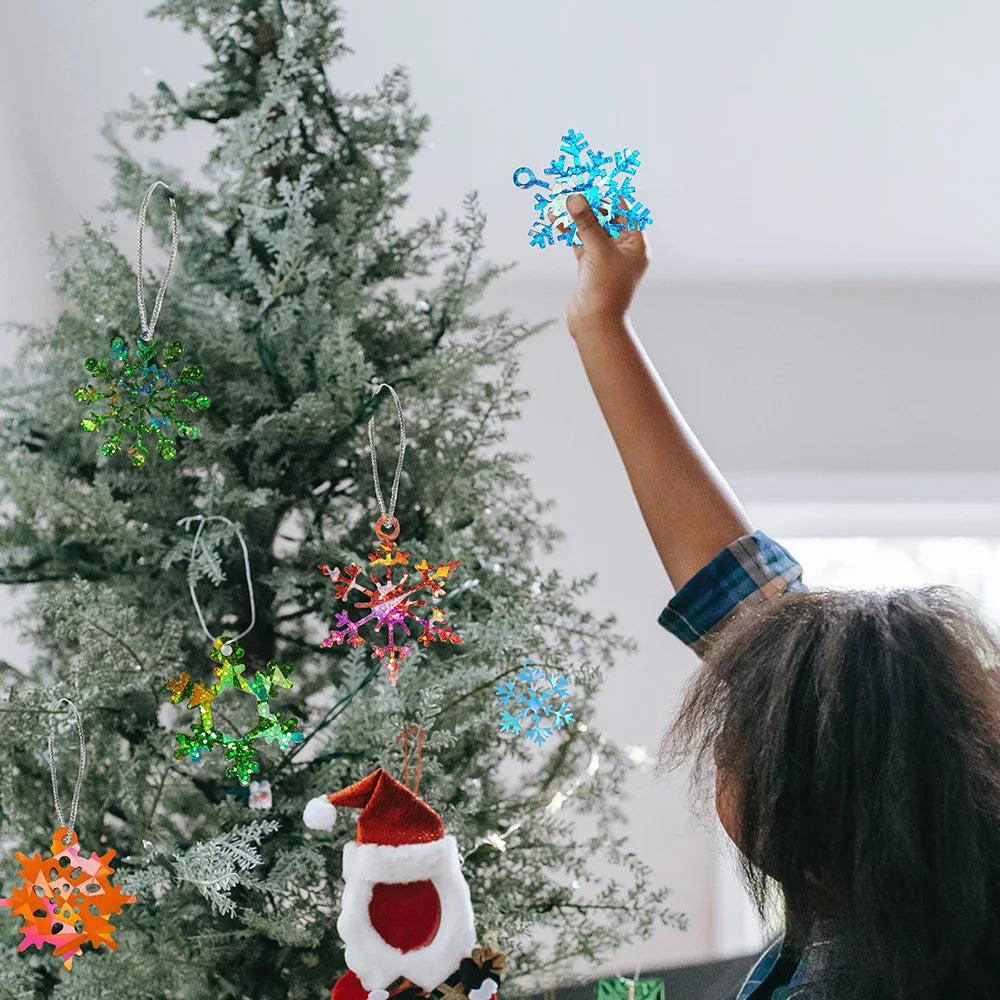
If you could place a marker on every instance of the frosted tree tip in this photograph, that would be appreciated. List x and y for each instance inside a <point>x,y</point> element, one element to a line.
<point>319,814</point>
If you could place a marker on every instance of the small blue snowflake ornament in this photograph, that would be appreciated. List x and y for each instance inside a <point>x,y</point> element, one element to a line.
<point>534,704</point>
<point>603,180</point>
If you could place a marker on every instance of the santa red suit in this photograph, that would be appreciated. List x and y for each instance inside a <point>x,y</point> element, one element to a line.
<point>406,916</point>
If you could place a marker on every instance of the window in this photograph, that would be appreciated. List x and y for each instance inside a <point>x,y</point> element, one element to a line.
<point>973,564</point>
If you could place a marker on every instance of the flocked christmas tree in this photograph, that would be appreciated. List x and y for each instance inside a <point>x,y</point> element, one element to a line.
<point>297,294</point>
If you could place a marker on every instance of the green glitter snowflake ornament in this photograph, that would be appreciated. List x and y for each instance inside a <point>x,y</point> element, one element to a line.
<point>142,397</point>
<point>205,736</point>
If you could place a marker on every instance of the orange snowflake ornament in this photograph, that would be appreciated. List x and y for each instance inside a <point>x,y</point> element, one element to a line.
<point>66,898</point>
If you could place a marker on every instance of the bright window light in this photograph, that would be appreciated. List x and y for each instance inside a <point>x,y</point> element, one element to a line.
<point>871,563</point>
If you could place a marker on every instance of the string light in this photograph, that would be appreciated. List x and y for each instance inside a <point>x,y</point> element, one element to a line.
<point>556,802</point>
<point>498,840</point>
<point>639,756</point>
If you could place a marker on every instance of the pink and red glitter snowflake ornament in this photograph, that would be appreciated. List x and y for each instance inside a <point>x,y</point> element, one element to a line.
<point>388,607</point>
<point>66,898</point>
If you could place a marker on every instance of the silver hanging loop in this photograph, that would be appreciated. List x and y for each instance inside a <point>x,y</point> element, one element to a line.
<point>52,767</point>
<point>387,520</point>
<point>147,328</point>
<point>201,519</point>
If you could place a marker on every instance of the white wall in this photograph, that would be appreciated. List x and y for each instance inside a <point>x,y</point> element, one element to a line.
<point>845,143</point>
<point>795,376</point>
<point>777,137</point>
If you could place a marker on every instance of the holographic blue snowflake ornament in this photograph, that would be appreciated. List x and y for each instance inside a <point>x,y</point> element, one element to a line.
<point>534,704</point>
<point>605,181</point>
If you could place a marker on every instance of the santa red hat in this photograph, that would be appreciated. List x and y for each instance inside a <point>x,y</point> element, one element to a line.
<point>406,910</point>
<point>391,813</point>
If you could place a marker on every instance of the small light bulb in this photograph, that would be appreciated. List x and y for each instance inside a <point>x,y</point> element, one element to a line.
<point>556,803</point>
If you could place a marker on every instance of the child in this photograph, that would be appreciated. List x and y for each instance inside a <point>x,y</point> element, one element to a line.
<point>855,737</point>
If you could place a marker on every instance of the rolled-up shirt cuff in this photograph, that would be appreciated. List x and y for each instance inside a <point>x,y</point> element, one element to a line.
<point>753,569</point>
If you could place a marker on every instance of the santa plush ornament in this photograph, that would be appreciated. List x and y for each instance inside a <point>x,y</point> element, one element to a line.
<point>406,913</point>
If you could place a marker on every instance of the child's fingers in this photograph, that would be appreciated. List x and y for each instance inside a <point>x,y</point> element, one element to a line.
<point>589,217</point>
<point>591,232</point>
<point>604,207</point>
<point>563,228</point>
<point>620,219</point>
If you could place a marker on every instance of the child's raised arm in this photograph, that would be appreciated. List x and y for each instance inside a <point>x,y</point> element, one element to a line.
<point>689,509</point>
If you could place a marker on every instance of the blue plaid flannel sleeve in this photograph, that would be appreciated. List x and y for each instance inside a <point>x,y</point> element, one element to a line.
<point>751,570</point>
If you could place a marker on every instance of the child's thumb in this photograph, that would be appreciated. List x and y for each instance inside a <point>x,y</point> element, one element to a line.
<point>591,231</point>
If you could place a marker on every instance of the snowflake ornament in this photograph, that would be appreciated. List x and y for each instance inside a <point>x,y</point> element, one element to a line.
<point>66,898</point>
<point>142,396</point>
<point>205,736</point>
<point>601,179</point>
<point>389,604</point>
<point>534,704</point>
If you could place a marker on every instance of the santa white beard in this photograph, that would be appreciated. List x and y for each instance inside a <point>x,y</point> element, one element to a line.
<point>373,960</point>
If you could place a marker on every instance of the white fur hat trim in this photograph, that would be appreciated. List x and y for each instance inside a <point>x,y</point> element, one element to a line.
<point>405,863</point>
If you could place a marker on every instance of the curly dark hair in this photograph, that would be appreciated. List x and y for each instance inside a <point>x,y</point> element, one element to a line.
<point>862,731</point>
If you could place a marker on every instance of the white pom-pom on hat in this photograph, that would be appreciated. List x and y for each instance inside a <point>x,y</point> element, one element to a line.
<point>319,814</point>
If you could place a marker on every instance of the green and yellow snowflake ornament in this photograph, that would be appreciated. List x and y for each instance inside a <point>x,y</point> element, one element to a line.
<point>140,396</point>
<point>205,736</point>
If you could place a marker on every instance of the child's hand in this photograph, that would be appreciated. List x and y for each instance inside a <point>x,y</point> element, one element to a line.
<point>609,270</point>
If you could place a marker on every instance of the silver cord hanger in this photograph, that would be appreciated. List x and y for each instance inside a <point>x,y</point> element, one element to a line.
<point>74,806</point>
<point>201,519</point>
<point>149,326</point>
<point>387,520</point>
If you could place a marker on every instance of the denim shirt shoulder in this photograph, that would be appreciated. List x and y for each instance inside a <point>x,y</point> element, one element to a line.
<point>823,962</point>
